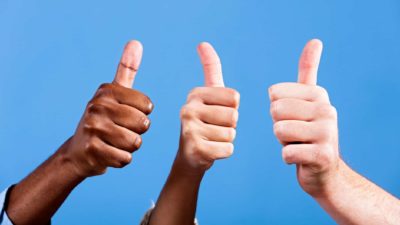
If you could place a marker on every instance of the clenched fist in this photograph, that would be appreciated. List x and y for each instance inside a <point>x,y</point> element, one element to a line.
<point>208,119</point>
<point>113,121</point>
<point>306,124</point>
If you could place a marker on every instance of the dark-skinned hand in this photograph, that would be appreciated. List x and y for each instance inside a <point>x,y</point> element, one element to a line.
<point>114,119</point>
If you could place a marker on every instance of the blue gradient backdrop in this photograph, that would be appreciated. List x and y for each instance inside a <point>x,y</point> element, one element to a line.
<point>54,54</point>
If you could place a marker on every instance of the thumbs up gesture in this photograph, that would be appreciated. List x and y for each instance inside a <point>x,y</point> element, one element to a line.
<point>113,121</point>
<point>306,124</point>
<point>208,119</point>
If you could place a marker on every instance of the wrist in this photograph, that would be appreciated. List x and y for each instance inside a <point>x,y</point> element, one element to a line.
<point>335,183</point>
<point>181,169</point>
<point>68,164</point>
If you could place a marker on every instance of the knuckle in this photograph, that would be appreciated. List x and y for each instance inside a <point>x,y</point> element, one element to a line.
<point>326,111</point>
<point>195,94</point>
<point>138,141</point>
<point>275,109</point>
<point>198,147</point>
<point>127,140</point>
<point>235,96</point>
<point>228,150</point>
<point>330,153</point>
<point>321,93</point>
<point>96,107</point>
<point>187,112</point>
<point>275,90</point>
<point>144,124</point>
<point>149,105</point>
<point>90,126</point>
<point>144,102</point>
<point>306,64</point>
<point>183,112</point>
<point>104,89</point>
<point>317,157</point>
<point>287,155</point>
<point>333,114</point>
<point>327,131</point>
<point>92,108</point>
<point>124,161</point>
<point>101,171</point>
<point>272,92</point>
<point>322,155</point>
<point>231,134</point>
<point>233,116</point>
<point>279,129</point>
<point>188,130</point>
<point>320,90</point>
<point>225,151</point>
<point>95,168</point>
<point>91,147</point>
<point>105,86</point>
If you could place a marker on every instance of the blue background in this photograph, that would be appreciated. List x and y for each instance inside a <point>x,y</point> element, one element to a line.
<point>54,54</point>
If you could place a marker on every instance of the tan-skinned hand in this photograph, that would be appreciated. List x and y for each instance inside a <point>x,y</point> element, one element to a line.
<point>208,118</point>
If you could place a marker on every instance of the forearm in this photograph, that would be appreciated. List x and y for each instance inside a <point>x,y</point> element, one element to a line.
<point>352,199</point>
<point>36,198</point>
<point>178,199</point>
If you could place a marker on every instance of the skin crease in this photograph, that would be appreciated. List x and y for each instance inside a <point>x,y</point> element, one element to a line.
<point>305,123</point>
<point>208,129</point>
<point>107,134</point>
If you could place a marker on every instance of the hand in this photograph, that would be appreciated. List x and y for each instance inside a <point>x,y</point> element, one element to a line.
<point>306,124</point>
<point>208,119</point>
<point>113,121</point>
